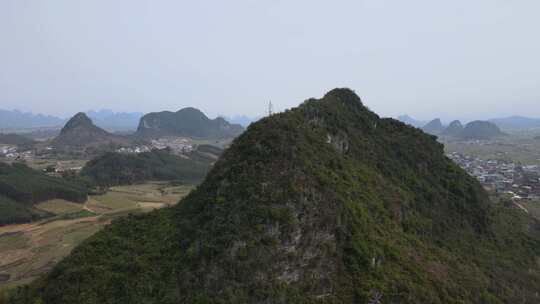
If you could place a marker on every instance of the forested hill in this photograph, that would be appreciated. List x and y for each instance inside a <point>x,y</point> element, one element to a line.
<point>113,169</point>
<point>481,130</point>
<point>21,187</point>
<point>324,203</point>
<point>80,132</point>
<point>188,122</point>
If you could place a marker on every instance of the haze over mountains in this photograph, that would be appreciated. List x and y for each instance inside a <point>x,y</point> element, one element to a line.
<point>242,120</point>
<point>105,119</point>
<point>129,121</point>
<point>515,123</point>
<point>17,119</point>
<point>434,127</point>
<point>115,121</point>
<point>474,130</point>
<point>454,129</point>
<point>411,121</point>
<point>510,123</point>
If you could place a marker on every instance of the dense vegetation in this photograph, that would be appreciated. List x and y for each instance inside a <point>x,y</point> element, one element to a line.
<point>21,187</point>
<point>15,212</point>
<point>113,169</point>
<point>188,122</point>
<point>325,203</point>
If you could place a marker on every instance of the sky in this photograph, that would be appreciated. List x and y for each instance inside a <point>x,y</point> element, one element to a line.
<point>431,58</point>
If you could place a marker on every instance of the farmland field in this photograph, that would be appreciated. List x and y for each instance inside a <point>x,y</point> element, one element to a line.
<point>515,148</point>
<point>29,250</point>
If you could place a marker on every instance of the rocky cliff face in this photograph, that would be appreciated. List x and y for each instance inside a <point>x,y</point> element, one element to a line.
<point>324,203</point>
<point>188,122</point>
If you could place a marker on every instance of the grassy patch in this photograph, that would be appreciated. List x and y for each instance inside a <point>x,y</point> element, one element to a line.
<point>12,241</point>
<point>59,206</point>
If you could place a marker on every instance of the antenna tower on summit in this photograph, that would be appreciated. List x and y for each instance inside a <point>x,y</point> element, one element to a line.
<point>270,108</point>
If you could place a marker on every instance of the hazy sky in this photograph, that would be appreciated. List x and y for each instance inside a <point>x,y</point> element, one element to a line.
<point>459,58</point>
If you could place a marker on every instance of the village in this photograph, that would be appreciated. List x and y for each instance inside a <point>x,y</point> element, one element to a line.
<point>13,153</point>
<point>178,145</point>
<point>519,181</point>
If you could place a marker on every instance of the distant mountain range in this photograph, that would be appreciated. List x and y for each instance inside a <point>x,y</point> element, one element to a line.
<point>510,123</point>
<point>477,129</point>
<point>129,121</point>
<point>454,129</point>
<point>434,127</point>
<point>115,121</point>
<point>106,119</point>
<point>242,120</point>
<point>80,132</point>
<point>411,121</point>
<point>18,120</point>
<point>516,123</point>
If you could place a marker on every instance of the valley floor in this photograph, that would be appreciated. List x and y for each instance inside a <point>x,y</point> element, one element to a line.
<point>28,250</point>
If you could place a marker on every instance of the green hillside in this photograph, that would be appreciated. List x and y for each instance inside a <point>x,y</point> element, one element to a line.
<point>113,169</point>
<point>21,187</point>
<point>325,203</point>
<point>189,122</point>
<point>12,212</point>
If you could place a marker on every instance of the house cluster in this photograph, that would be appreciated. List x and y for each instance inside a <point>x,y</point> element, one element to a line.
<point>11,152</point>
<point>134,150</point>
<point>176,144</point>
<point>6,150</point>
<point>519,181</point>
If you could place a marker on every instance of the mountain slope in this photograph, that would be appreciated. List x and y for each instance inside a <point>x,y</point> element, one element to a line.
<point>454,129</point>
<point>112,169</point>
<point>188,122</point>
<point>80,132</point>
<point>481,130</point>
<point>18,120</point>
<point>325,203</point>
<point>242,120</point>
<point>434,127</point>
<point>516,123</point>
